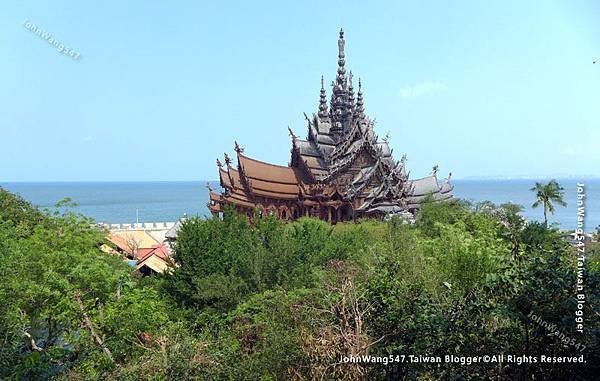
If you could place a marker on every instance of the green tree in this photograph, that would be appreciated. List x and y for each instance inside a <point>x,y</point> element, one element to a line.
<point>47,275</point>
<point>546,195</point>
<point>512,221</point>
<point>268,300</point>
<point>432,212</point>
<point>67,307</point>
<point>20,213</point>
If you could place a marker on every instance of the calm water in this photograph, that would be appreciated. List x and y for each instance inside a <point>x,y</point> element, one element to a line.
<point>517,191</point>
<point>117,202</point>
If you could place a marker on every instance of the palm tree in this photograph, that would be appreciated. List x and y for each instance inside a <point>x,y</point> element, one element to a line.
<point>546,194</point>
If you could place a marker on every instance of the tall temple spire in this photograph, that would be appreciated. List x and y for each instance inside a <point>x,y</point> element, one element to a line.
<point>341,170</point>
<point>323,101</point>
<point>341,59</point>
<point>339,93</point>
<point>360,107</point>
<point>350,104</point>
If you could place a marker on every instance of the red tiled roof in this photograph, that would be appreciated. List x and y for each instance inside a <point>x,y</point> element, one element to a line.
<point>119,242</point>
<point>160,250</point>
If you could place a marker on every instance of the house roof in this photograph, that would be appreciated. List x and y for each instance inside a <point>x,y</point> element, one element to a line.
<point>118,241</point>
<point>107,249</point>
<point>160,250</point>
<point>154,263</point>
<point>126,239</point>
<point>172,233</point>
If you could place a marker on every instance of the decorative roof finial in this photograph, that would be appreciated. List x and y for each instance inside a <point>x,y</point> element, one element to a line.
<point>339,94</point>
<point>227,159</point>
<point>435,170</point>
<point>350,94</point>
<point>449,177</point>
<point>210,189</point>
<point>403,159</point>
<point>341,59</point>
<point>292,135</point>
<point>360,107</point>
<point>322,101</point>
<point>219,164</point>
<point>341,43</point>
<point>386,138</point>
<point>237,148</point>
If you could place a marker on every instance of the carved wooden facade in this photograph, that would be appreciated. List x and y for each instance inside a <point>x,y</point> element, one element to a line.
<point>341,171</point>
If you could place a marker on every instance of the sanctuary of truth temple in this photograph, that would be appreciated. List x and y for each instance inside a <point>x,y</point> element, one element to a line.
<point>341,171</point>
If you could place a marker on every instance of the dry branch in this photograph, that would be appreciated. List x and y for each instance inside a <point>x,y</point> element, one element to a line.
<point>90,326</point>
<point>33,343</point>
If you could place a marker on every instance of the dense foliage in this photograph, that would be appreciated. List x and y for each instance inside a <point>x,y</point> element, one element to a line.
<point>270,300</point>
<point>68,310</point>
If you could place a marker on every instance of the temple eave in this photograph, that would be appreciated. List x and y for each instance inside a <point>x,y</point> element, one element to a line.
<point>341,171</point>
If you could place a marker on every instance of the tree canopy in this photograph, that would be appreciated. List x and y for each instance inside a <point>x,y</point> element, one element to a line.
<point>269,300</point>
<point>546,195</point>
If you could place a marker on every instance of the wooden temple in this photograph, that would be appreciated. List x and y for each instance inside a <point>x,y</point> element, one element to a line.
<point>341,171</point>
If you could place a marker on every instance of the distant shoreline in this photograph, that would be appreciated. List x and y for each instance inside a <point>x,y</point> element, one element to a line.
<point>524,178</point>
<point>468,178</point>
<point>123,201</point>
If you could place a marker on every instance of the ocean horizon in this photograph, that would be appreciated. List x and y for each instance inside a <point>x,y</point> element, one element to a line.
<point>161,201</point>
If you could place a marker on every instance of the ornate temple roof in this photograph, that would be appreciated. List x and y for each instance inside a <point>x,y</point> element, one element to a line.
<point>260,171</point>
<point>340,162</point>
<point>424,186</point>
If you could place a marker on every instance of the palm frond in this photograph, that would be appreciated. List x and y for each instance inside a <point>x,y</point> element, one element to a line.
<point>537,187</point>
<point>560,202</point>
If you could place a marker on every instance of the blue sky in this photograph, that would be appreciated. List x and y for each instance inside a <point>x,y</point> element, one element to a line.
<point>503,88</point>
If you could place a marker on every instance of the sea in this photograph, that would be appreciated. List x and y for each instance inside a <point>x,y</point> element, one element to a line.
<point>167,201</point>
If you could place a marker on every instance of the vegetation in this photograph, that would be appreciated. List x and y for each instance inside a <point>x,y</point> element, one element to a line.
<point>546,195</point>
<point>274,301</point>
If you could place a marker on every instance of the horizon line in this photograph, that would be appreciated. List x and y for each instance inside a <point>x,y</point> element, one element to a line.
<point>464,178</point>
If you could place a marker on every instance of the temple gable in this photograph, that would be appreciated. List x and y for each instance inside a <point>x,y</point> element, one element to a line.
<point>340,171</point>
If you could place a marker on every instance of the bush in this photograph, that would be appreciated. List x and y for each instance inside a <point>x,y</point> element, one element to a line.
<point>269,300</point>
